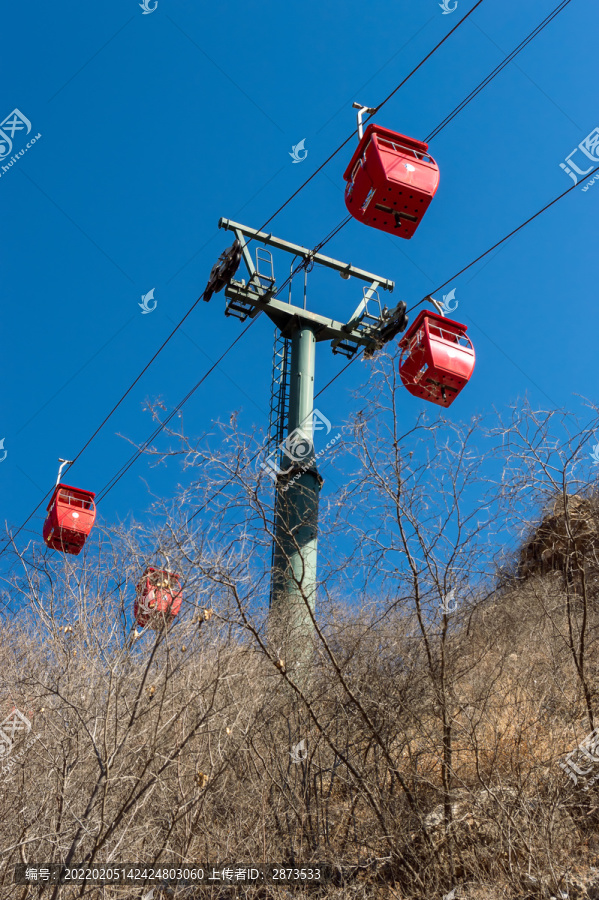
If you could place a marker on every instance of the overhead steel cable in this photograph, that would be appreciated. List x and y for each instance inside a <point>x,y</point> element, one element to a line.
<point>499,68</point>
<point>508,59</point>
<point>190,310</point>
<point>376,109</point>
<point>107,417</point>
<point>303,264</point>
<point>471,264</point>
<point>341,371</point>
<point>126,466</point>
<point>504,239</point>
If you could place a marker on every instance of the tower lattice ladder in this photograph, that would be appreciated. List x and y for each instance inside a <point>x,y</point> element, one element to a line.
<point>279,407</point>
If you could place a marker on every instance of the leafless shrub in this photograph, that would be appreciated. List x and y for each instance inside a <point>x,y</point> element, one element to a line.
<point>421,752</point>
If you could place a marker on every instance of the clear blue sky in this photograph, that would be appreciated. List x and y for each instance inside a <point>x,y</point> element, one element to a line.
<point>153,126</point>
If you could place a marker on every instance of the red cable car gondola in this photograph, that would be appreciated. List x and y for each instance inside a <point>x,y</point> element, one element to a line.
<point>158,598</point>
<point>71,515</point>
<point>437,358</point>
<point>391,179</point>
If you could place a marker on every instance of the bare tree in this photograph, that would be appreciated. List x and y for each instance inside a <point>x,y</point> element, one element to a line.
<point>446,678</point>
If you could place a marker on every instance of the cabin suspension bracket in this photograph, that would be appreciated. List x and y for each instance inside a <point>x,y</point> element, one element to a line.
<point>370,326</point>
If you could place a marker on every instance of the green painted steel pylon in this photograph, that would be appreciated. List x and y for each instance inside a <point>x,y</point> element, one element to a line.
<point>298,484</point>
<point>293,592</point>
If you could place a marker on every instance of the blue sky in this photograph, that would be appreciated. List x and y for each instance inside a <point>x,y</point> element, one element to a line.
<point>153,126</point>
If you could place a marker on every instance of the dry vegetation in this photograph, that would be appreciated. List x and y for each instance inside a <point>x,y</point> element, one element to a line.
<point>433,735</point>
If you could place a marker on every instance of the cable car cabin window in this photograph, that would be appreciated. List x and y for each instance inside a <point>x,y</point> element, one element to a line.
<point>402,149</point>
<point>438,332</point>
<point>74,499</point>
<point>451,337</point>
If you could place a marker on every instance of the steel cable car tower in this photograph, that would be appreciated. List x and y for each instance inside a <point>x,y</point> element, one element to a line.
<point>293,420</point>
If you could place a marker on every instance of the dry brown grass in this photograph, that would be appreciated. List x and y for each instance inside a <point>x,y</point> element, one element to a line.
<point>432,740</point>
<point>184,757</point>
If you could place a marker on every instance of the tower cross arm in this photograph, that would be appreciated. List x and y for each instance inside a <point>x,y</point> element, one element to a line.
<point>346,270</point>
<point>288,317</point>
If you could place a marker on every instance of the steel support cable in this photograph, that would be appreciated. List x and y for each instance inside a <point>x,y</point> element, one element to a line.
<point>335,231</point>
<point>126,466</point>
<point>107,417</point>
<point>341,371</point>
<point>295,193</point>
<point>508,59</point>
<point>376,109</point>
<point>511,56</point>
<point>116,478</point>
<point>122,471</point>
<point>473,263</point>
<point>504,239</point>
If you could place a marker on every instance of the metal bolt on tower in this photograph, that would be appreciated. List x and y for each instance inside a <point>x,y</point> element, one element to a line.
<point>293,419</point>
